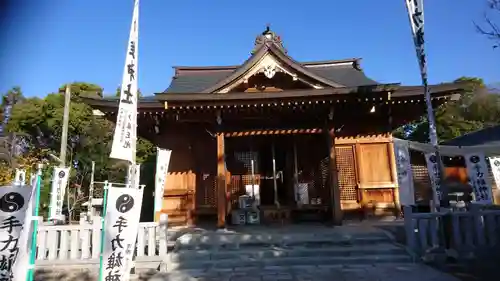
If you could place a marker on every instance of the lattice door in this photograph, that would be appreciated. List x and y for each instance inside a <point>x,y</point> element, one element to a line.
<point>347,173</point>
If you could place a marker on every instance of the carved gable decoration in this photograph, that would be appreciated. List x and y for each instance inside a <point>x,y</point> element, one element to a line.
<point>264,74</point>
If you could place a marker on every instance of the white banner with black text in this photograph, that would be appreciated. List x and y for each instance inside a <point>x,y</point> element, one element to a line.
<point>121,224</point>
<point>162,162</point>
<point>405,174</point>
<point>477,171</point>
<point>22,262</point>
<point>59,183</point>
<point>14,201</point>
<point>124,138</point>
<point>434,176</point>
<point>495,169</point>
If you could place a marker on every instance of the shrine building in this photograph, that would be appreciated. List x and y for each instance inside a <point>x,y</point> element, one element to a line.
<point>308,140</point>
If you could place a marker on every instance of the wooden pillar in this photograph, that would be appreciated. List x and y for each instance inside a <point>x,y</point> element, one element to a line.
<point>394,175</point>
<point>221,176</point>
<point>334,190</point>
<point>392,158</point>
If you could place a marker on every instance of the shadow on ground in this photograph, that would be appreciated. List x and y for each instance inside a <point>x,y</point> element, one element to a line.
<point>483,268</point>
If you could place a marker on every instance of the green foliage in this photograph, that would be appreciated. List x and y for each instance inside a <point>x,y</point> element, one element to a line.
<point>82,89</point>
<point>89,137</point>
<point>476,109</point>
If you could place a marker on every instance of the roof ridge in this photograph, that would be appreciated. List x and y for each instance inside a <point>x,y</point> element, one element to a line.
<point>232,67</point>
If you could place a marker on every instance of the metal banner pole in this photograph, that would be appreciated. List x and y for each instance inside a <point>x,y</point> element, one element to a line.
<point>103,231</point>
<point>34,218</point>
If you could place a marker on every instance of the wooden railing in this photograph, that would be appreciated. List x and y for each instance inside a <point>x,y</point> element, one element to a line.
<point>465,231</point>
<point>80,244</point>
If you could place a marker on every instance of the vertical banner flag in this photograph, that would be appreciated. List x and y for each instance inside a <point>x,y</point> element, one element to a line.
<point>59,183</point>
<point>416,15</point>
<point>134,175</point>
<point>495,169</point>
<point>121,223</point>
<point>434,176</point>
<point>14,201</point>
<point>405,174</point>
<point>20,178</point>
<point>162,162</point>
<point>124,138</point>
<point>22,263</point>
<point>477,170</point>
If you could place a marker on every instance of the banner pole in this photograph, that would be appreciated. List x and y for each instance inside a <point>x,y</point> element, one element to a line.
<point>104,205</point>
<point>34,218</point>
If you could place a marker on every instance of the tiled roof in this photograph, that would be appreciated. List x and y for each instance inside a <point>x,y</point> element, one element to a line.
<point>343,74</point>
<point>489,136</point>
<point>195,83</point>
<point>199,81</point>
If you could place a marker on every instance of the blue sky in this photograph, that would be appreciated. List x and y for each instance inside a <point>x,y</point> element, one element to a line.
<point>50,42</point>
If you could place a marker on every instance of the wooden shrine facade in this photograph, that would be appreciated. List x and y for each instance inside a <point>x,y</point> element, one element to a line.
<point>278,124</point>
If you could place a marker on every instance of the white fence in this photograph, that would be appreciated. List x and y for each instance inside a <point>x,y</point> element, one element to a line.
<point>79,245</point>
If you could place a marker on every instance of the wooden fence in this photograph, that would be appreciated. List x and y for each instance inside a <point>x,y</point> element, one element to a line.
<point>79,245</point>
<point>465,232</point>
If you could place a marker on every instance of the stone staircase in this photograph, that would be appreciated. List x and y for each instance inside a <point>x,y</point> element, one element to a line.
<point>233,251</point>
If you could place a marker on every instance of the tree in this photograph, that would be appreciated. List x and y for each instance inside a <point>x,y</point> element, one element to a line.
<point>9,146</point>
<point>476,109</point>
<point>490,28</point>
<point>89,136</point>
<point>83,89</point>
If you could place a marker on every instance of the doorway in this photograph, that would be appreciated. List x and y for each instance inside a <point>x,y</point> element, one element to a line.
<point>265,161</point>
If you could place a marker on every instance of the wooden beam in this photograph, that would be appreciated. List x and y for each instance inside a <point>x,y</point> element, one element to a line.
<point>221,182</point>
<point>394,175</point>
<point>334,190</point>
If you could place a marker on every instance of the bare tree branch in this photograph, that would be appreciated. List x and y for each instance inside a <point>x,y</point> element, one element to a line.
<point>489,28</point>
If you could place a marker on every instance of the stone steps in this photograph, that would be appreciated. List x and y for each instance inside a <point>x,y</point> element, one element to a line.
<point>268,263</point>
<point>279,252</point>
<point>234,252</point>
<point>240,241</point>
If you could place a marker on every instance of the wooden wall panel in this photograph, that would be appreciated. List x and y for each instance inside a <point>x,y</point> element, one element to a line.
<point>375,165</point>
<point>346,168</point>
<point>180,182</point>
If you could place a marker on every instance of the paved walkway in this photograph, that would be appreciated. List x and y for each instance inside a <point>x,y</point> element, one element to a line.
<point>379,272</point>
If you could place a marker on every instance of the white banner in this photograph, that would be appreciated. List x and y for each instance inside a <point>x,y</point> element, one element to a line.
<point>495,169</point>
<point>477,170</point>
<point>434,177</point>
<point>121,224</point>
<point>22,263</point>
<point>59,183</point>
<point>134,175</point>
<point>162,162</point>
<point>415,10</point>
<point>20,178</point>
<point>405,174</point>
<point>124,138</point>
<point>14,200</point>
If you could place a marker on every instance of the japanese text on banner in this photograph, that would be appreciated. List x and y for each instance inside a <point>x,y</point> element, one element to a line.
<point>121,224</point>
<point>13,204</point>
<point>162,162</point>
<point>124,138</point>
<point>477,170</point>
<point>59,184</point>
<point>434,176</point>
<point>405,175</point>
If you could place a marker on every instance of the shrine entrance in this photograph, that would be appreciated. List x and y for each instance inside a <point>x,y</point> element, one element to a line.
<point>262,162</point>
